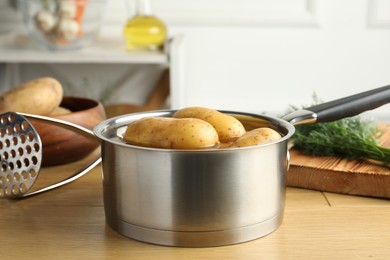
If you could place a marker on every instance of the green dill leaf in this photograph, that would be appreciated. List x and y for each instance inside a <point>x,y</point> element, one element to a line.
<point>351,138</point>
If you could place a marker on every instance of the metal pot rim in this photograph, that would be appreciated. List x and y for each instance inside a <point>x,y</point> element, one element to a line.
<point>107,130</point>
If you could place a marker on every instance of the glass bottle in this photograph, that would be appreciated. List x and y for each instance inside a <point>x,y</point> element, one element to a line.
<point>144,30</point>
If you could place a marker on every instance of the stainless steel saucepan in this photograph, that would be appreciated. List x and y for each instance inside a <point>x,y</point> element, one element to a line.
<point>188,198</point>
<point>213,197</point>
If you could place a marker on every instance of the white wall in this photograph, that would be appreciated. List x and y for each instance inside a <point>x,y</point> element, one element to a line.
<point>284,51</point>
<point>263,55</point>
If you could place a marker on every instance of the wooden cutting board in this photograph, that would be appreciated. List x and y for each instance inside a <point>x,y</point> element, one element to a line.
<point>340,175</point>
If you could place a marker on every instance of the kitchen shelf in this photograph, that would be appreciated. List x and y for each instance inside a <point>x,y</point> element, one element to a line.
<point>20,49</point>
<point>16,50</point>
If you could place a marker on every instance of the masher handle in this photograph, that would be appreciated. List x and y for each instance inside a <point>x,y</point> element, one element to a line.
<point>62,123</point>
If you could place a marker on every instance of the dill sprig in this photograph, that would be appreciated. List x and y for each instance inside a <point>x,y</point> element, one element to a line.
<point>352,138</point>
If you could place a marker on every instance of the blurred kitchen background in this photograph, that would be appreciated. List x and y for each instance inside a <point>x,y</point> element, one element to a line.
<point>247,55</point>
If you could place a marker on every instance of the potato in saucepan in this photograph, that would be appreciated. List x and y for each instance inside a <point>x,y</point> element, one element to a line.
<point>257,136</point>
<point>171,133</point>
<point>227,127</point>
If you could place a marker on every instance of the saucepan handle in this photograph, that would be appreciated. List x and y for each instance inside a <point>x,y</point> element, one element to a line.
<point>341,108</point>
<point>352,105</point>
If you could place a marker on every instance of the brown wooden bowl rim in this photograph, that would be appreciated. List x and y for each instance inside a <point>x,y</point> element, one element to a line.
<point>93,104</point>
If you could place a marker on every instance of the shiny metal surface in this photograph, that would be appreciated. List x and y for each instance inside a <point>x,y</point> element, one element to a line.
<point>193,197</point>
<point>20,155</point>
<point>301,117</point>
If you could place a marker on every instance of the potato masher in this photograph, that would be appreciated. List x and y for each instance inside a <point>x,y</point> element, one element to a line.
<point>21,154</point>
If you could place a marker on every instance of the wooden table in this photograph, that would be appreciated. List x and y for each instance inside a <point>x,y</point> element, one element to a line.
<point>69,223</point>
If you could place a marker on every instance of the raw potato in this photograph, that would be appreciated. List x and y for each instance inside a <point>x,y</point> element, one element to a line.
<point>258,136</point>
<point>39,96</point>
<point>227,127</point>
<point>171,133</point>
<point>60,111</point>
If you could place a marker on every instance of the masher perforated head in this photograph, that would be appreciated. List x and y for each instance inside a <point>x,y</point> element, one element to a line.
<point>20,155</point>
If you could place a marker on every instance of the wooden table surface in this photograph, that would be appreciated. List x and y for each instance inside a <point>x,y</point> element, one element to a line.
<point>69,223</point>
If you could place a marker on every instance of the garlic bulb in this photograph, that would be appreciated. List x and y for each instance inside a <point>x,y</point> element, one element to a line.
<point>45,20</point>
<point>67,29</point>
<point>67,9</point>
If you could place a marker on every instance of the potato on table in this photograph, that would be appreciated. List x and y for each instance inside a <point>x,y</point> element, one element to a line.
<point>39,96</point>
<point>227,127</point>
<point>60,111</point>
<point>171,133</point>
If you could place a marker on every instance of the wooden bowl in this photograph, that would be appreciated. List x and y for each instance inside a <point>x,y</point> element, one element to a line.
<point>60,145</point>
